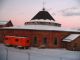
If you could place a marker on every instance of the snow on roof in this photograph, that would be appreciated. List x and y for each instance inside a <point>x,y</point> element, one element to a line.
<point>71,37</point>
<point>41,20</point>
<point>3,22</point>
<point>42,27</point>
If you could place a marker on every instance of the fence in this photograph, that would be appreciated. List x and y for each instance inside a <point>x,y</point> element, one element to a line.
<point>8,53</point>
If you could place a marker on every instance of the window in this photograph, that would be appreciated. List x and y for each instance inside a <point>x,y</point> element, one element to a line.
<point>16,40</point>
<point>55,41</point>
<point>44,40</point>
<point>27,41</point>
<point>35,40</point>
<point>6,38</point>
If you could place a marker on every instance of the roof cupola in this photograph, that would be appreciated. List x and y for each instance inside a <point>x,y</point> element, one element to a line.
<point>43,15</point>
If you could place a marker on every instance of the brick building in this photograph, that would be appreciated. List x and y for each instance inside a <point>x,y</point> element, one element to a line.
<point>44,31</point>
<point>4,24</point>
<point>72,42</point>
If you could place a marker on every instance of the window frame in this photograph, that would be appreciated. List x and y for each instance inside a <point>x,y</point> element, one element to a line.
<point>35,40</point>
<point>44,40</point>
<point>55,41</point>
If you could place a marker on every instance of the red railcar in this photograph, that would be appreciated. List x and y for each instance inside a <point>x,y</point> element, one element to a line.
<point>21,42</point>
<point>9,40</point>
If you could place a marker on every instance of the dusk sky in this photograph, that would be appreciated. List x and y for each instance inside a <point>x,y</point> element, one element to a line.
<point>66,12</point>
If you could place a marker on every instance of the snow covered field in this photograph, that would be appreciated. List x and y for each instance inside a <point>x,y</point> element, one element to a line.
<point>9,53</point>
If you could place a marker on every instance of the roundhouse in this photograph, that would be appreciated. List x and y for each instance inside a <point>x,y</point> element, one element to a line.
<point>45,32</point>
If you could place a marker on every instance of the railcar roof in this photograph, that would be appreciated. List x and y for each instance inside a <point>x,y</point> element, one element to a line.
<point>17,36</point>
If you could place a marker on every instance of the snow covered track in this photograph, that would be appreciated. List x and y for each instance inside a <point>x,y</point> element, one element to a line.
<point>10,53</point>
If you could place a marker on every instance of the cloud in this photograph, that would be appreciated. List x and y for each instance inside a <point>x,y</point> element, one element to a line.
<point>78,1</point>
<point>2,3</point>
<point>74,11</point>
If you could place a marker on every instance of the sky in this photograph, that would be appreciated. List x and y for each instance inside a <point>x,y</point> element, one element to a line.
<point>66,12</point>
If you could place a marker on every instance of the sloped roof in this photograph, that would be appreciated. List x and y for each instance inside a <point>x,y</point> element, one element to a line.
<point>3,22</point>
<point>42,27</point>
<point>43,15</point>
<point>71,37</point>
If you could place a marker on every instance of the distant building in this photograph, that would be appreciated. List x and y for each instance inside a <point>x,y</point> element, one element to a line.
<point>45,32</point>
<point>72,42</point>
<point>5,23</point>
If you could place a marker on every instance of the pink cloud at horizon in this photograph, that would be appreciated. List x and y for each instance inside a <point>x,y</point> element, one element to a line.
<point>21,11</point>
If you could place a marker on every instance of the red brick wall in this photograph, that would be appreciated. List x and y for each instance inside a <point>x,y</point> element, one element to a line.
<point>50,35</point>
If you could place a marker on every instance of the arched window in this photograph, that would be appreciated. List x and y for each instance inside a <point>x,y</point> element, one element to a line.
<point>55,41</point>
<point>35,40</point>
<point>44,40</point>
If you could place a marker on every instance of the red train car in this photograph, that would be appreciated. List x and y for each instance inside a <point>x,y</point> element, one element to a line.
<point>20,42</point>
<point>9,40</point>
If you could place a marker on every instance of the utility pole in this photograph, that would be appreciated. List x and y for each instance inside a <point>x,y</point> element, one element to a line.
<point>28,55</point>
<point>44,4</point>
<point>6,53</point>
<point>60,58</point>
<point>28,52</point>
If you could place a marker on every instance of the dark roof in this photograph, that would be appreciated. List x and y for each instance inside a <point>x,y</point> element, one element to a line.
<point>4,23</point>
<point>43,15</point>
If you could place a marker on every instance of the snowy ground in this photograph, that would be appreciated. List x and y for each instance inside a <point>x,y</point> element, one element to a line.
<point>10,53</point>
